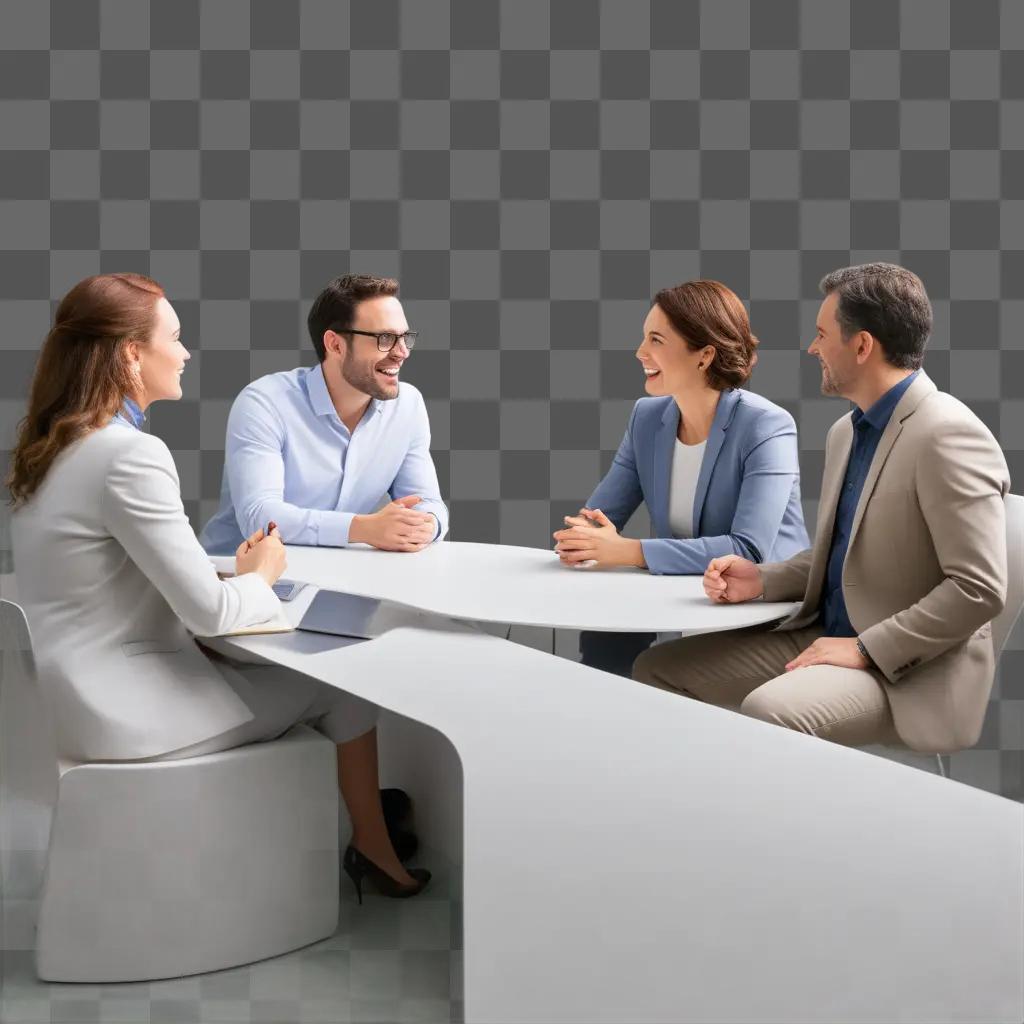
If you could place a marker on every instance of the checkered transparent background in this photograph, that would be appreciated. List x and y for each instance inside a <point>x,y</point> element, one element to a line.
<point>531,172</point>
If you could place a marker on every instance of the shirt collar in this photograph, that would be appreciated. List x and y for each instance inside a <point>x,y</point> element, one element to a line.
<point>881,412</point>
<point>131,413</point>
<point>320,397</point>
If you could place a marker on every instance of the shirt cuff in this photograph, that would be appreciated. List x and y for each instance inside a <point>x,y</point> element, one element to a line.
<point>332,529</point>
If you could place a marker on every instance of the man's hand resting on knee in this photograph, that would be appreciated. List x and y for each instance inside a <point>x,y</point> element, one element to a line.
<point>830,650</point>
<point>395,527</point>
<point>732,579</point>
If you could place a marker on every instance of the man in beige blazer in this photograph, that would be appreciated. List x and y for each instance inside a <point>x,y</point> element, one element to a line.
<point>892,642</point>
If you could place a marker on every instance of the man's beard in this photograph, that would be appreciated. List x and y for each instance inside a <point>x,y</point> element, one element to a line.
<point>830,383</point>
<point>364,378</point>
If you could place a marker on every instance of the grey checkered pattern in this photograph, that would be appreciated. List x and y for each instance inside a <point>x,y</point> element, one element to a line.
<point>389,961</point>
<point>532,172</point>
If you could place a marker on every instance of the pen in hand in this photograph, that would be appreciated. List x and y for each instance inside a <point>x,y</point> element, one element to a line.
<point>266,533</point>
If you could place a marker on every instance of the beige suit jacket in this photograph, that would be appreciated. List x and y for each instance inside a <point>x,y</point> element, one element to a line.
<point>925,570</point>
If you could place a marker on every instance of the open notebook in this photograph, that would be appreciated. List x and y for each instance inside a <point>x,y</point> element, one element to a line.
<point>277,624</point>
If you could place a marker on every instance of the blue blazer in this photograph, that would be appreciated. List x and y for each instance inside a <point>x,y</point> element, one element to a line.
<point>747,500</point>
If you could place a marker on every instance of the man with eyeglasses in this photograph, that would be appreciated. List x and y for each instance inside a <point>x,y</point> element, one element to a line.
<point>315,449</point>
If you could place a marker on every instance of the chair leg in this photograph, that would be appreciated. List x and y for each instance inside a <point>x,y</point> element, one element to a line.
<point>942,766</point>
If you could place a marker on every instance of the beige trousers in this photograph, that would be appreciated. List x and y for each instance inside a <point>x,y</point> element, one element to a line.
<point>746,669</point>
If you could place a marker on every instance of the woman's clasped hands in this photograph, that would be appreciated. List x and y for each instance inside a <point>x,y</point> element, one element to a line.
<point>591,538</point>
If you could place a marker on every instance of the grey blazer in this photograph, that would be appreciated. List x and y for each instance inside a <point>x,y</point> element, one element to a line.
<point>112,578</point>
<point>925,570</point>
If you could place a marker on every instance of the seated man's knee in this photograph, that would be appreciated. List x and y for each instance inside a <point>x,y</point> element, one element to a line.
<point>762,706</point>
<point>767,706</point>
<point>668,665</point>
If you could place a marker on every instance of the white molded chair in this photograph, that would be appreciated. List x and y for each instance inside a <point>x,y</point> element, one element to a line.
<point>1002,625</point>
<point>159,869</point>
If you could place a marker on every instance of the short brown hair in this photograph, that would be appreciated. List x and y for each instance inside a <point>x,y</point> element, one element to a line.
<point>890,303</point>
<point>81,377</point>
<point>709,313</point>
<point>334,309</point>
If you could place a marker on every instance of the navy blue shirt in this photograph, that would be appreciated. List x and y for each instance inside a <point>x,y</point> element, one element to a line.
<point>867,432</point>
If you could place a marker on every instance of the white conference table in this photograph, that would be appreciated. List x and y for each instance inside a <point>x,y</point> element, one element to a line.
<point>632,856</point>
<point>499,583</point>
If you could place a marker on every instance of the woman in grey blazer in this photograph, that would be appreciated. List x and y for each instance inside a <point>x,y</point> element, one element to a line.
<point>716,465</point>
<point>112,577</point>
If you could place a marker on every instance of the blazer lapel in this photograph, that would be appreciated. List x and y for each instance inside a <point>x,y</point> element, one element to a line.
<point>831,484</point>
<point>921,387</point>
<point>727,402</point>
<point>832,481</point>
<point>664,444</point>
<point>892,431</point>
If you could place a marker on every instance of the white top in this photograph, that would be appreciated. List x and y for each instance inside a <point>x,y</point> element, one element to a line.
<point>524,586</point>
<point>686,460</point>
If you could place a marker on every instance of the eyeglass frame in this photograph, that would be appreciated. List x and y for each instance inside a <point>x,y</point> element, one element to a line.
<point>404,338</point>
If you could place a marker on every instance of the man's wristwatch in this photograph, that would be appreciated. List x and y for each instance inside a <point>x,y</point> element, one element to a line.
<point>864,653</point>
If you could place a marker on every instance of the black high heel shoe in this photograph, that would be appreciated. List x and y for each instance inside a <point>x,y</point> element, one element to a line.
<point>357,867</point>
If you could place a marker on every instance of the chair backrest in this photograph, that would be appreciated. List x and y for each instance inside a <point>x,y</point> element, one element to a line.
<point>15,634</point>
<point>1003,624</point>
<point>28,768</point>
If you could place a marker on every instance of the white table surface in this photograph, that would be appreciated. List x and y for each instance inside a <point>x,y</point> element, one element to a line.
<point>522,586</point>
<point>631,855</point>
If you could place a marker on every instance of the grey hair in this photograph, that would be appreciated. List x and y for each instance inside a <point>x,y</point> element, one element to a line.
<point>887,301</point>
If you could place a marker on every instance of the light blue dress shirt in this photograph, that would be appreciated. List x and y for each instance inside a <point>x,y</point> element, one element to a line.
<point>290,459</point>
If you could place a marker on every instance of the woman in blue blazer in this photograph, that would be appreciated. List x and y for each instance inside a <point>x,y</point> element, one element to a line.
<point>716,465</point>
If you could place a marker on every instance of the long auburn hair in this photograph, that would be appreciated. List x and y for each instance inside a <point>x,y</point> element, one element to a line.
<point>81,377</point>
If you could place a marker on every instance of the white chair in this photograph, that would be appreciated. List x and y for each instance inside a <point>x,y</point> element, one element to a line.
<point>159,869</point>
<point>1002,625</point>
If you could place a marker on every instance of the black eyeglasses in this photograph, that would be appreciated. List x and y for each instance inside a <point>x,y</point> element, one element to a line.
<point>387,340</point>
